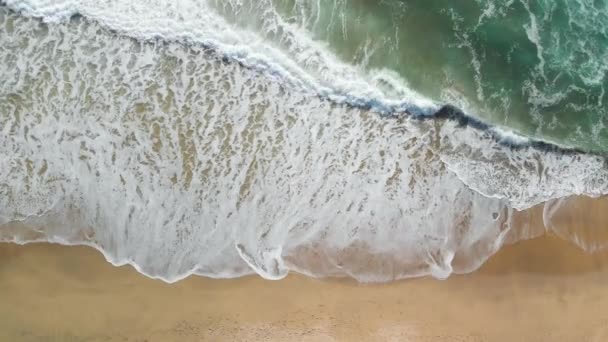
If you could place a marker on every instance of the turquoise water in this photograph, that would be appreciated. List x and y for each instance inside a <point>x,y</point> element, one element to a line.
<point>538,67</point>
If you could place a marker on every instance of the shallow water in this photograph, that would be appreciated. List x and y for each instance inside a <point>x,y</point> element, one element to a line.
<point>188,141</point>
<point>538,67</point>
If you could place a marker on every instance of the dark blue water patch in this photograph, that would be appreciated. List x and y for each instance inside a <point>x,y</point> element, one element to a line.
<point>452,113</point>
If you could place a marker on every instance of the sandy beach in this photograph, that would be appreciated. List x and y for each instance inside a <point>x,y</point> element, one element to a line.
<point>544,289</point>
<point>382,140</point>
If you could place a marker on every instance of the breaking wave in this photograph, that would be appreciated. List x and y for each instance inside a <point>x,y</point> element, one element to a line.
<point>185,141</point>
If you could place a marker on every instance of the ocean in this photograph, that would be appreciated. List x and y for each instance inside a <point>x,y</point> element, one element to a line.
<point>377,140</point>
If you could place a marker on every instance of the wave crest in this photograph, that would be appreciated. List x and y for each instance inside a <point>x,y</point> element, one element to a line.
<point>172,158</point>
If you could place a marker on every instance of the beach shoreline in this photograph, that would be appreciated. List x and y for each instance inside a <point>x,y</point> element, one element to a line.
<point>543,289</point>
<point>146,148</point>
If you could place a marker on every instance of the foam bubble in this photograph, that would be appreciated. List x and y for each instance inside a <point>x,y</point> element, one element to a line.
<point>169,157</point>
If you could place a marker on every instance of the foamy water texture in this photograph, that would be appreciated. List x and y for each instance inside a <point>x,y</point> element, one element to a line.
<point>172,138</point>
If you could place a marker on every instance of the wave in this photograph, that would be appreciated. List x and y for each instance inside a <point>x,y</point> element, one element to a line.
<point>329,78</point>
<point>201,148</point>
<point>298,60</point>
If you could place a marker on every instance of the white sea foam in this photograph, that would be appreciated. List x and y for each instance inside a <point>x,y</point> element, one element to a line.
<point>166,157</point>
<point>292,54</point>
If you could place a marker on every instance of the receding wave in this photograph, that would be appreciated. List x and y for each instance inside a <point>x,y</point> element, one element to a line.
<point>183,142</point>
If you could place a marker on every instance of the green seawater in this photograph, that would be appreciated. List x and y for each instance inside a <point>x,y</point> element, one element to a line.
<point>537,67</point>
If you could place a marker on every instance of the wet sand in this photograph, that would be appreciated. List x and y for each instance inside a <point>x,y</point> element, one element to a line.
<point>545,289</point>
